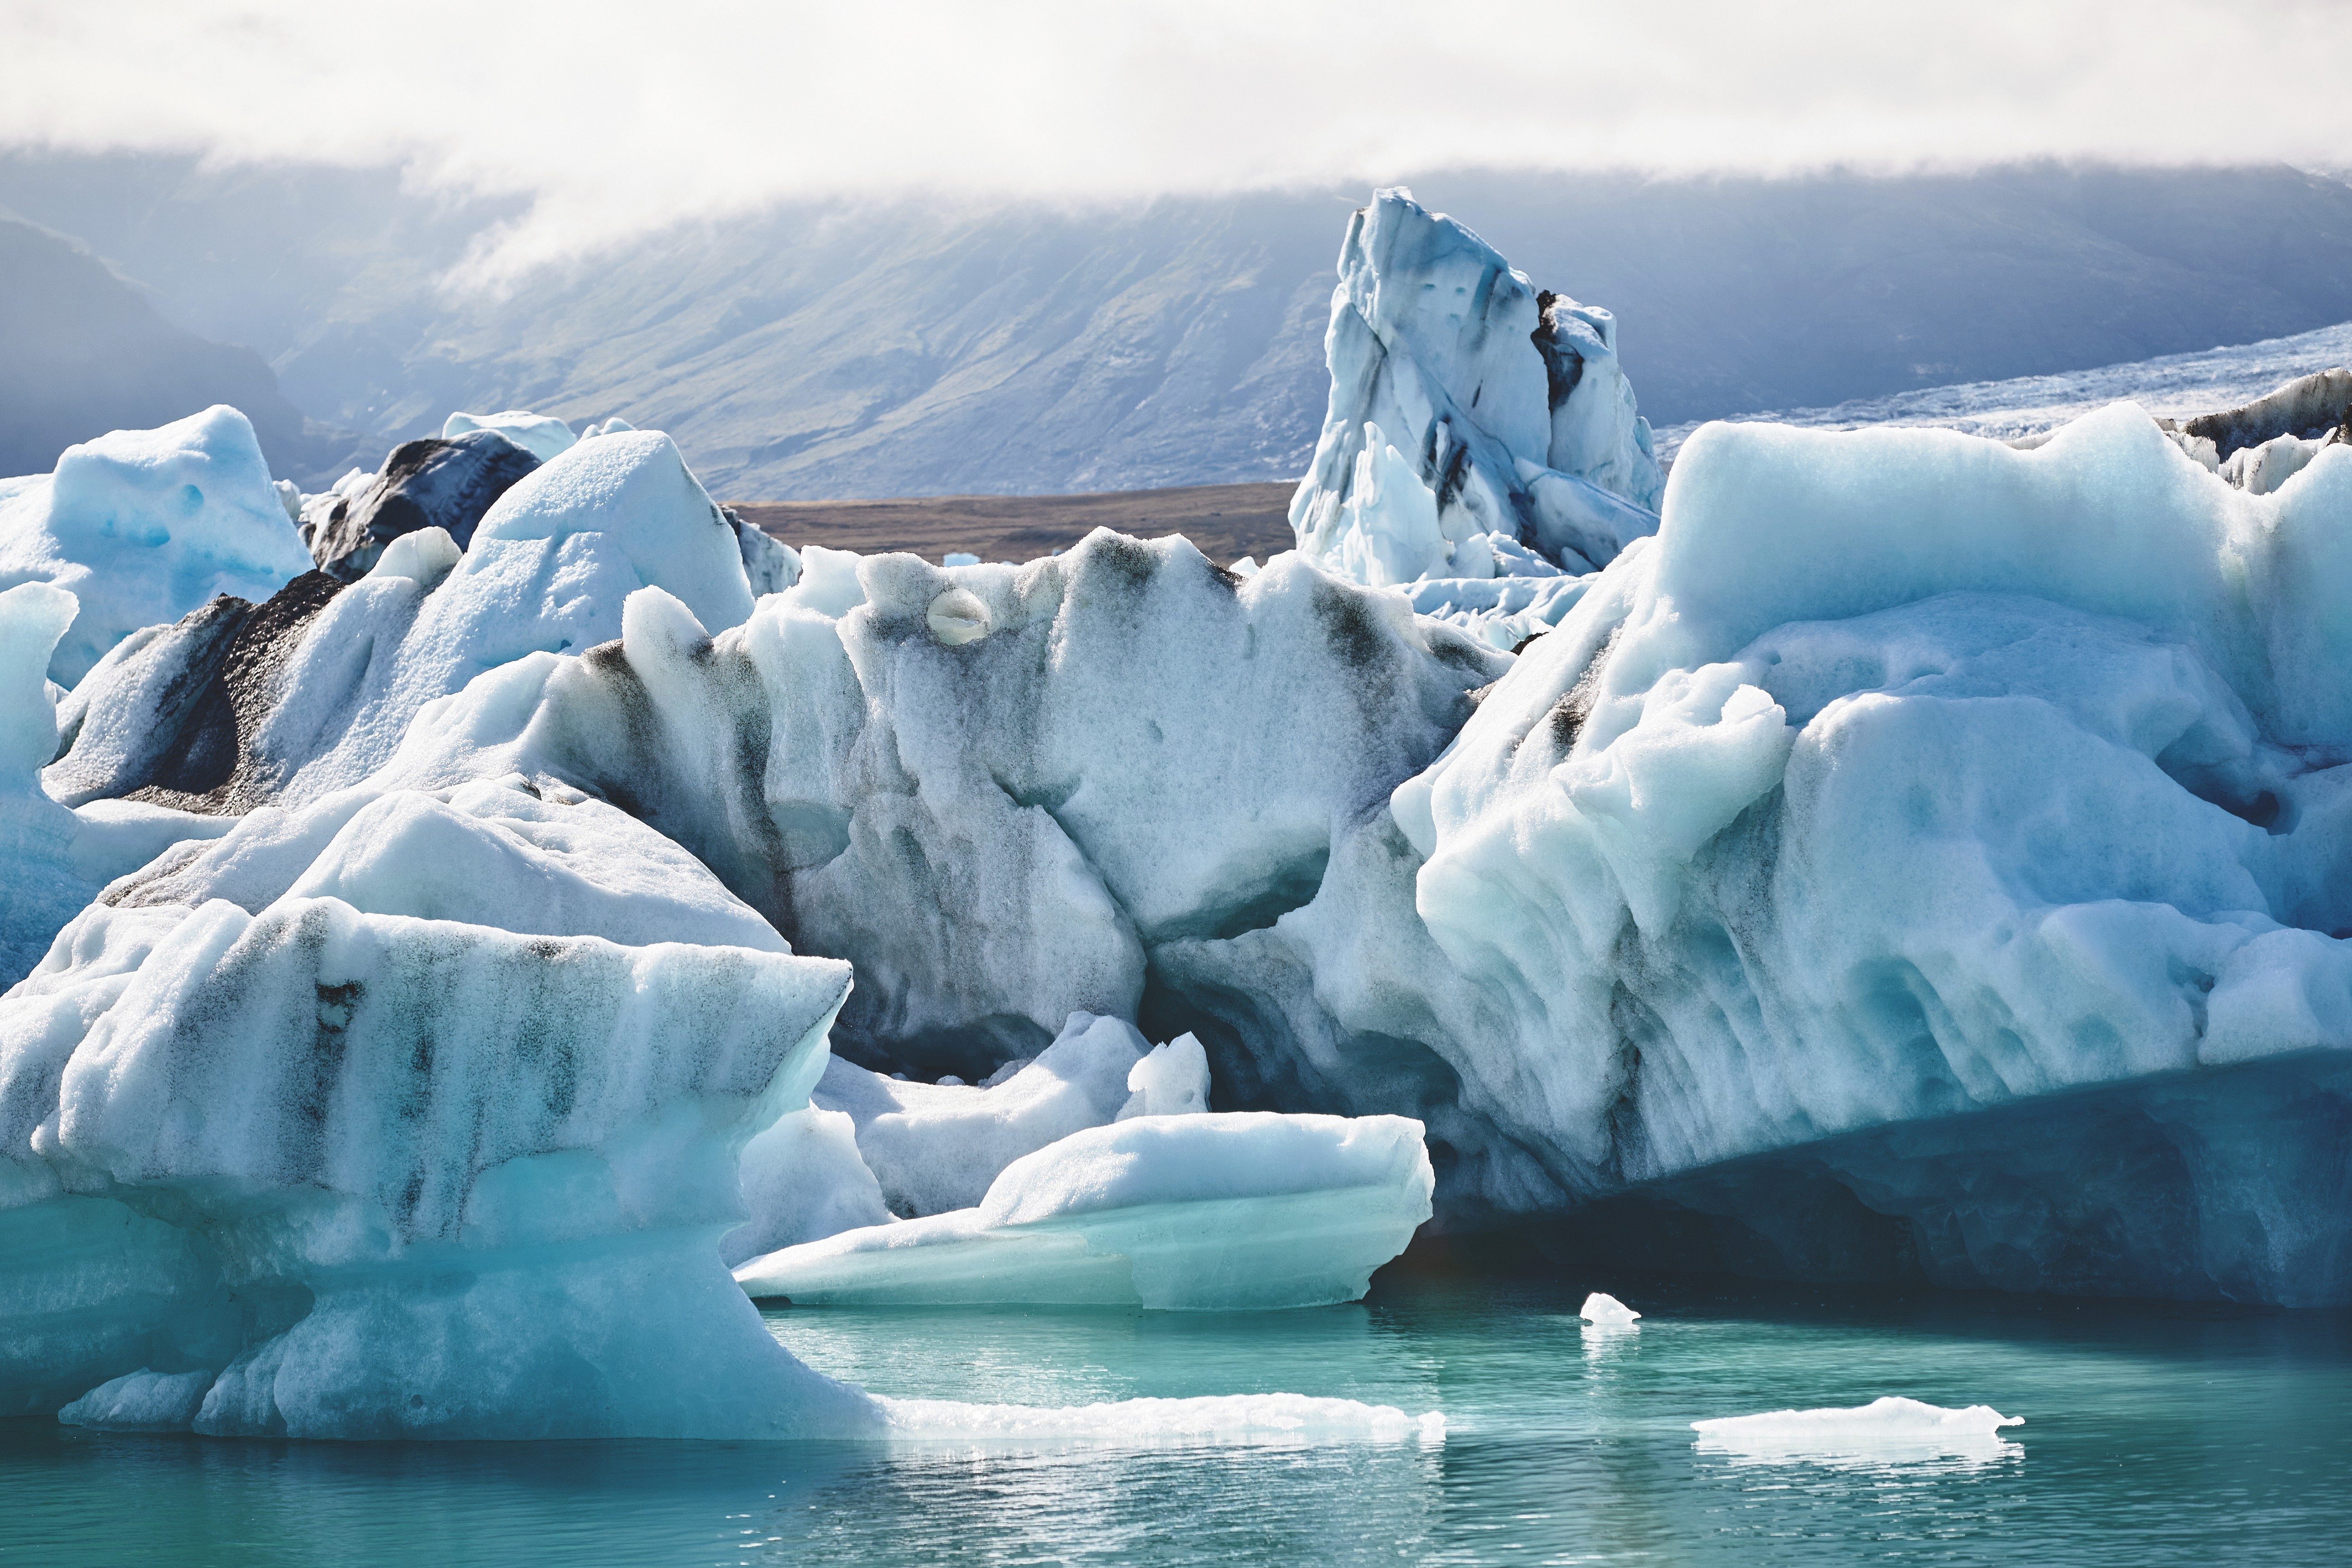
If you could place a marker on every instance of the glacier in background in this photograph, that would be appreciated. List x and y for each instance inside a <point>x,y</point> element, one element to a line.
<point>1887,854</point>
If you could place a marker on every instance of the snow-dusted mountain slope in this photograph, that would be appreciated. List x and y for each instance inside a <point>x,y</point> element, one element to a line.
<point>86,353</point>
<point>938,347</point>
<point>2174,385</point>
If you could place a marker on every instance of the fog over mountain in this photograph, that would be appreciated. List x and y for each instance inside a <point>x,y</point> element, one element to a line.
<point>924,346</point>
<point>86,353</point>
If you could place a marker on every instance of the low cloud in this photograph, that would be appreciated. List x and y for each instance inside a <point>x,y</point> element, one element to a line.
<point>616,119</point>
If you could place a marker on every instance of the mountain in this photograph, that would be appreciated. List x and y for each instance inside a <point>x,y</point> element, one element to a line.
<point>918,347</point>
<point>86,353</point>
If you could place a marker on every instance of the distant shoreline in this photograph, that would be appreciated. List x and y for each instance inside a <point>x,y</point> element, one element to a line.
<point>1223,521</point>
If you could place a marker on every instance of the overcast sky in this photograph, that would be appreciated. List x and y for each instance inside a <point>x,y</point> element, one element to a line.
<point>618,117</point>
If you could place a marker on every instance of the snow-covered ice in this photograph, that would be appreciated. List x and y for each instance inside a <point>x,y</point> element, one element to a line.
<point>1477,428</point>
<point>1605,1310</point>
<point>1256,1419</point>
<point>937,1147</point>
<point>1897,831</point>
<point>144,526</point>
<point>541,434</point>
<point>327,682</point>
<point>1200,1212</point>
<point>1887,1430</point>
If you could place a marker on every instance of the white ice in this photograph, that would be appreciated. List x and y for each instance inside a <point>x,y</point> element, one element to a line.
<point>143,526</point>
<point>543,435</point>
<point>1904,773</point>
<point>1254,1419</point>
<point>1205,1212</point>
<point>1173,1080</point>
<point>1476,429</point>
<point>1607,1311</point>
<point>935,1147</point>
<point>1889,1429</point>
<point>53,860</point>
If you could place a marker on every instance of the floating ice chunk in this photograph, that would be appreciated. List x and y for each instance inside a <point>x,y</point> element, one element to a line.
<point>959,558</point>
<point>541,434</point>
<point>1207,1212</point>
<point>1246,568</point>
<point>1173,1080</point>
<point>1232,1418</point>
<point>803,1180</point>
<point>143,526</point>
<point>935,1147</point>
<point>1887,1429</point>
<point>1607,1311</point>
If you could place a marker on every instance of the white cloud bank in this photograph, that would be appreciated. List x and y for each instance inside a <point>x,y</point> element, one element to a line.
<point>616,118</point>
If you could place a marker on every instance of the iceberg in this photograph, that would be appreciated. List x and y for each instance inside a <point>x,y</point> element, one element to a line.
<point>312,690</point>
<point>323,1171</point>
<point>1887,1430</point>
<point>998,822</point>
<point>1477,428</point>
<point>1903,856</point>
<point>1607,1311</point>
<point>1254,1419</point>
<point>937,1147</point>
<point>543,435</point>
<point>145,526</point>
<point>1240,1211</point>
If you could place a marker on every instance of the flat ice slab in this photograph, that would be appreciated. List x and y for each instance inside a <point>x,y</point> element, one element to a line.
<point>1206,1213</point>
<point>1219,1420</point>
<point>1891,1429</point>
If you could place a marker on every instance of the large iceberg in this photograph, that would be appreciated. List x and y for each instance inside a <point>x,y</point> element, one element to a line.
<point>997,791</point>
<point>1906,777</point>
<point>1199,1212</point>
<point>1478,428</point>
<point>355,1161</point>
<point>145,526</point>
<point>309,692</point>
<point>1902,854</point>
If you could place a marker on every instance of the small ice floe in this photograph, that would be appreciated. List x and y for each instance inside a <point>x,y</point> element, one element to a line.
<point>1891,1430</point>
<point>1223,1419</point>
<point>1606,1312</point>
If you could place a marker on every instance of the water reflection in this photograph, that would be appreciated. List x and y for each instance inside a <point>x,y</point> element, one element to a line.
<point>2156,1435</point>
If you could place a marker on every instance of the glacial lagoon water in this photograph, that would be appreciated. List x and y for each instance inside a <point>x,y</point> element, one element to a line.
<point>2153,1435</point>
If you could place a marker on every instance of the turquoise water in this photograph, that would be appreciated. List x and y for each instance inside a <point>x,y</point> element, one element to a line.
<point>2153,1436</point>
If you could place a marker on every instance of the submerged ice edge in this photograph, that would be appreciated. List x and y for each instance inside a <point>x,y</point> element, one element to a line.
<point>1219,1419</point>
